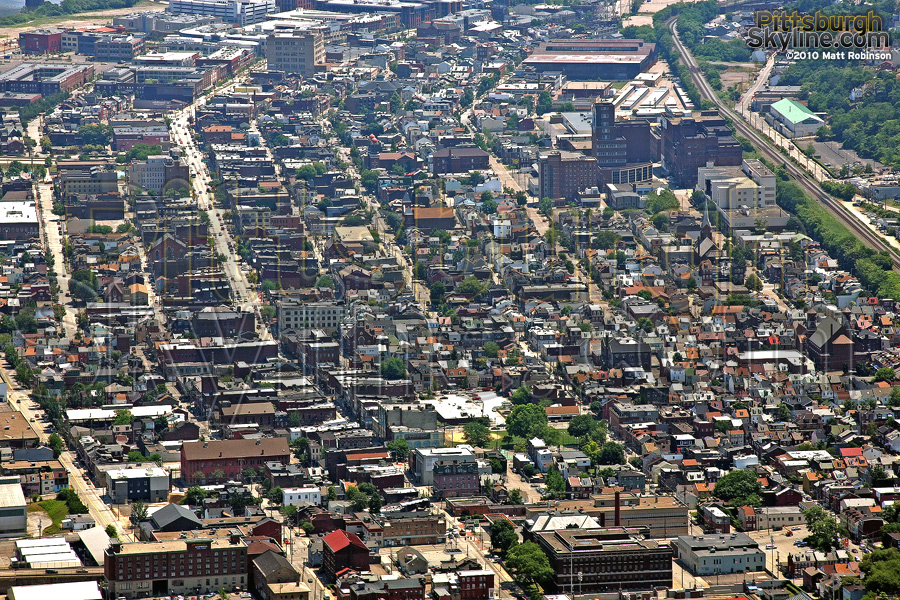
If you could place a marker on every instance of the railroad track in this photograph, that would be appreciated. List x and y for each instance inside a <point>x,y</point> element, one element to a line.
<point>835,207</point>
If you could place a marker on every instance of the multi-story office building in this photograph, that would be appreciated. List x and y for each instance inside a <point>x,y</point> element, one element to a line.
<point>239,12</point>
<point>624,149</point>
<point>298,52</point>
<point>310,315</point>
<point>562,175</point>
<point>157,171</point>
<point>184,566</point>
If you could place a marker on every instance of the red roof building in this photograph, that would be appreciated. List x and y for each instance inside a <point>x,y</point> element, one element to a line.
<point>342,550</point>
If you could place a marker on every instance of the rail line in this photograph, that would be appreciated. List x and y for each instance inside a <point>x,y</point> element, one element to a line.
<point>835,207</point>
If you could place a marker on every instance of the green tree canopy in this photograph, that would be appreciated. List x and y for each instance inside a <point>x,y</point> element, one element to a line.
<point>477,434</point>
<point>393,368</point>
<point>529,564</point>
<point>738,488</point>
<point>526,420</point>
<point>503,535</point>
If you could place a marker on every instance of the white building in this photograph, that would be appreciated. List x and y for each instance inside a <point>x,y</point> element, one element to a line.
<point>240,12</point>
<point>742,195</point>
<point>75,590</point>
<point>719,553</point>
<point>304,495</point>
<point>13,510</point>
<point>793,119</point>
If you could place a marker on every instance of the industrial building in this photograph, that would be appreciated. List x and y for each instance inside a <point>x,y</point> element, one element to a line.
<point>593,59</point>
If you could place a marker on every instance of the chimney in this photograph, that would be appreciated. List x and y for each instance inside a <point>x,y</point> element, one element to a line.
<point>618,513</point>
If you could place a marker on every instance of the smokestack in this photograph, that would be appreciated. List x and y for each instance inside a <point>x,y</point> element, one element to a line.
<point>618,517</point>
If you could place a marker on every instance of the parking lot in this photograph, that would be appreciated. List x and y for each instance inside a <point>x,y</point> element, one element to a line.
<point>778,544</point>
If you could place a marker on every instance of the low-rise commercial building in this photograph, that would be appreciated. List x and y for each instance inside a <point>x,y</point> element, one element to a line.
<point>719,554</point>
<point>148,484</point>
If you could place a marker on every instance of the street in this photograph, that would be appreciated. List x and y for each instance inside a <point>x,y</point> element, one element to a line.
<point>245,295</point>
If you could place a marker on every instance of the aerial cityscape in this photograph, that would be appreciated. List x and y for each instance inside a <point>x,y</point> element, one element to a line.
<point>450,300</point>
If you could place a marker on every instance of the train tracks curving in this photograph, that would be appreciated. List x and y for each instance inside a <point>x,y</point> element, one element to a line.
<point>835,207</point>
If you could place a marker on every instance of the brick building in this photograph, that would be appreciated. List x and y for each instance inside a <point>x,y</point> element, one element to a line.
<point>563,175</point>
<point>341,550</point>
<point>41,41</point>
<point>183,566</point>
<point>230,457</point>
<point>604,560</point>
<point>688,143</point>
<point>459,160</point>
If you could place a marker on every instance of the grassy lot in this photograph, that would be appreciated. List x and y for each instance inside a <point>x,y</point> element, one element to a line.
<point>55,509</point>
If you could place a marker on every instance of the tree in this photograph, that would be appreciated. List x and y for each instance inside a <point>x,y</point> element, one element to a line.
<point>56,444</point>
<point>302,450</point>
<point>753,283</point>
<point>73,503</point>
<point>275,495</point>
<point>544,103</point>
<point>437,291</point>
<point>645,324</point>
<point>470,285</point>
<point>307,527</point>
<point>526,420</point>
<point>659,201</point>
<point>522,395</point>
<point>581,425</point>
<point>195,496</point>
<point>611,453</point>
<point>332,493</point>
<point>491,349</point>
<point>503,535</point>
<point>123,417</point>
<point>825,532</point>
<point>138,513</point>
<point>369,179</point>
<point>738,488</point>
<point>515,497</point>
<point>393,368</point>
<point>477,434</point>
<point>784,412</point>
<point>400,447</point>
<point>884,374</point>
<point>325,281</point>
<point>529,564</point>
<point>882,573</point>
<point>46,144</point>
<point>375,503</point>
<point>359,501</point>
<point>111,531</point>
<point>545,206</point>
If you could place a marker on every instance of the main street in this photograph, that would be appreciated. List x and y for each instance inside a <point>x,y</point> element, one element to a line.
<point>50,225</point>
<point>245,295</point>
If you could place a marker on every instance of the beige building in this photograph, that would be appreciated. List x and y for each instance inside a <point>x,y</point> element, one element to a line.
<point>298,52</point>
